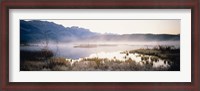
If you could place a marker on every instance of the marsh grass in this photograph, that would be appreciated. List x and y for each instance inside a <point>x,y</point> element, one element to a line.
<point>34,60</point>
<point>59,64</point>
<point>44,61</point>
<point>169,53</point>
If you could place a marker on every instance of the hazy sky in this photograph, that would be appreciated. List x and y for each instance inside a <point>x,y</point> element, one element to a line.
<point>125,26</point>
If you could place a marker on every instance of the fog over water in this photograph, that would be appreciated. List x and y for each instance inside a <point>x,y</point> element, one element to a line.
<point>78,50</point>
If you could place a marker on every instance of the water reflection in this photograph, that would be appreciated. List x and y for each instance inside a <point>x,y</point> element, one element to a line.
<point>125,56</point>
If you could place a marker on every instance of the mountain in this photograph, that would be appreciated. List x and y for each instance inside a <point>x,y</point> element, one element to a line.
<point>37,31</point>
<point>136,37</point>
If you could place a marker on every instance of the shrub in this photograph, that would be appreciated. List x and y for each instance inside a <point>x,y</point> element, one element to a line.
<point>32,66</point>
<point>54,62</point>
<point>84,66</point>
<point>35,55</point>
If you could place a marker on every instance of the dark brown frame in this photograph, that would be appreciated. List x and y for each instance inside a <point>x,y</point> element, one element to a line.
<point>100,4</point>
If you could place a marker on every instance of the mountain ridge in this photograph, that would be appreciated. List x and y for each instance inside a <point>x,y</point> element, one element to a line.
<point>37,31</point>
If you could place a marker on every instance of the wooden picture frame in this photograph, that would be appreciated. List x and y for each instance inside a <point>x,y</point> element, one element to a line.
<point>97,4</point>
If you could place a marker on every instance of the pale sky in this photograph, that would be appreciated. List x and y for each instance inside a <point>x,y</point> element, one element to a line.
<point>125,26</point>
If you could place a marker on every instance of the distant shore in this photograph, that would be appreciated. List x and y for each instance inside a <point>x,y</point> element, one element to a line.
<point>93,45</point>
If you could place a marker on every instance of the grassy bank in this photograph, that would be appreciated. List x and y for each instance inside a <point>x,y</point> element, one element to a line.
<point>60,64</point>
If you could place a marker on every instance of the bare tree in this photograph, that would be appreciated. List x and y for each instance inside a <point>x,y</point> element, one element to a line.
<point>46,34</point>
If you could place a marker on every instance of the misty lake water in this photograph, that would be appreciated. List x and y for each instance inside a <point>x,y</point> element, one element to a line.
<point>68,50</point>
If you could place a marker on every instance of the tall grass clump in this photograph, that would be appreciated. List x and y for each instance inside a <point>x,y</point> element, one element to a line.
<point>169,53</point>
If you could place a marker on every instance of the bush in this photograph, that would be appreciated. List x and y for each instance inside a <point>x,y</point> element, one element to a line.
<point>84,66</point>
<point>32,66</point>
<point>35,55</point>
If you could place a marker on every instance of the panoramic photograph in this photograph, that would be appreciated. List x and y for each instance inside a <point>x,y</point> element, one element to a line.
<point>100,45</point>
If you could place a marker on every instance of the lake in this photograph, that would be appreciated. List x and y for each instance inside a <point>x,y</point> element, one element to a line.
<point>81,50</point>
